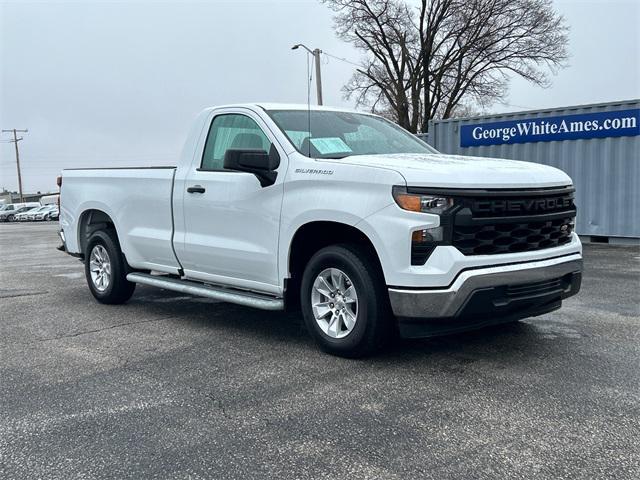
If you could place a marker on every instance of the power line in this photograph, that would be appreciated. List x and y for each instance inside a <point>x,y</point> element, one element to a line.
<point>342,59</point>
<point>15,142</point>
<point>524,107</point>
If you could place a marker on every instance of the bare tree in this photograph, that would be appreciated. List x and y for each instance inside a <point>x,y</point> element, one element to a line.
<point>435,58</point>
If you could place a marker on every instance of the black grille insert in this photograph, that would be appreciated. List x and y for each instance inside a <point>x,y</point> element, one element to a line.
<point>493,222</point>
<point>519,236</point>
<point>536,288</point>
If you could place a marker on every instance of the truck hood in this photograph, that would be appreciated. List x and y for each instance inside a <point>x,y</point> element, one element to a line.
<point>457,171</point>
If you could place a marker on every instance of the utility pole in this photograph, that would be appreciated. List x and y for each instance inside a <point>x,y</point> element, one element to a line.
<point>316,55</point>
<point>15,142</point>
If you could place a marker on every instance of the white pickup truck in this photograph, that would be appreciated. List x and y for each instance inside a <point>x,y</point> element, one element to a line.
<point>366,228</point>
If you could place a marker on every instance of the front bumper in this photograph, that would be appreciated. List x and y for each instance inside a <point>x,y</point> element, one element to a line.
<point>484,296</point>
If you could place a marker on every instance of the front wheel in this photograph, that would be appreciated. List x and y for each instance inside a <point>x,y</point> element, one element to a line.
<point>106,270</point>
<point>344,301</point>
<point>10,218</point>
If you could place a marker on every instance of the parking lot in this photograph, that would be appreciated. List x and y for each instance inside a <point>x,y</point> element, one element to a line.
<point>170,386</point>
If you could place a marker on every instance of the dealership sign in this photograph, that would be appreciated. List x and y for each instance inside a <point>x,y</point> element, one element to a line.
<point>620,123</point>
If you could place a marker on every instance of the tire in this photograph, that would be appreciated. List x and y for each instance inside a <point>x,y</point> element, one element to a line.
<point>108,283</point>
<point>343,336</point>
<point>10,218</point>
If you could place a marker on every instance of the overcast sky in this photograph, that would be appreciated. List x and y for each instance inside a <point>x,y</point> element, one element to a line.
<point>102,83</point>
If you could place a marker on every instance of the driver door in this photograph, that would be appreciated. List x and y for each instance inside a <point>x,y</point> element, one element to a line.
<point>231,222</point>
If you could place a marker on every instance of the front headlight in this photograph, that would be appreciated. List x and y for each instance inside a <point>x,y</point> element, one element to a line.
<point>424,240</point>
<point>425,203</point>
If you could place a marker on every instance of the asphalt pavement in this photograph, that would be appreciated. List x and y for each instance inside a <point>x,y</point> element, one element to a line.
<point>171,386</point>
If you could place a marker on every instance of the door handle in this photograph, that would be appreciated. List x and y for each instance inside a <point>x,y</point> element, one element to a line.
<point>196,189</point>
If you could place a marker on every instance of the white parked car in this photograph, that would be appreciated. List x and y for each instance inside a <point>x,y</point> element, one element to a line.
<point>25,216</point>
<point>47,212</point>
<point>341,213</point>
<point>9,212</point>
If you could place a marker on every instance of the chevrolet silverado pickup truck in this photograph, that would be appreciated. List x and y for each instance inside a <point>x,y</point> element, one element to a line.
<point>366,229</point>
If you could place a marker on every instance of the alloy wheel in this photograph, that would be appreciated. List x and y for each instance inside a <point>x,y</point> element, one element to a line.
<point>334,302</point>
<point>100,267</point>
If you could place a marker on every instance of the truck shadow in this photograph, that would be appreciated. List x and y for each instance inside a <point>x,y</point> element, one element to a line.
<point>517,341</point>
<point>511,338</point>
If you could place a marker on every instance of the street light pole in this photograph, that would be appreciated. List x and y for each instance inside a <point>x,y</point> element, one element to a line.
<point>316,55</point>
<point>15,142</point>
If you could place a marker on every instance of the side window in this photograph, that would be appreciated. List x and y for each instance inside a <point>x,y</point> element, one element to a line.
<point>231,131</point>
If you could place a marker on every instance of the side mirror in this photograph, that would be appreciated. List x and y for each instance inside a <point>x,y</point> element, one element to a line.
<point>258,162</point>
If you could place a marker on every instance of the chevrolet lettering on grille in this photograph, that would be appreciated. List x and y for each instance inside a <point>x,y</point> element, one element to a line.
<point>527,205</point>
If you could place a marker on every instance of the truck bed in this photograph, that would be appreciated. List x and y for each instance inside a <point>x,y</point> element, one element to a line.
<point>139,202</point>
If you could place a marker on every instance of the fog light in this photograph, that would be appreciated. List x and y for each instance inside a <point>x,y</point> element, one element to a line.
<point>427,235</point>
<point>423,243</point>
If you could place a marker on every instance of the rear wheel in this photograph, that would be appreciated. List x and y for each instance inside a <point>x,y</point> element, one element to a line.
<point>344,301</point>
<point>106,269</point>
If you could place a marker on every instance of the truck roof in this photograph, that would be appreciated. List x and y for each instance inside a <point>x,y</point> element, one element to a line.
<point>286,106</point>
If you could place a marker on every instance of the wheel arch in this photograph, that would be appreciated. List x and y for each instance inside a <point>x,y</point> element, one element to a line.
<point>91,220</point>
<point>315,235</point>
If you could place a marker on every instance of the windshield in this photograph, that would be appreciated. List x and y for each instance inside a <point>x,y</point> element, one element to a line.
<point>341,134</point>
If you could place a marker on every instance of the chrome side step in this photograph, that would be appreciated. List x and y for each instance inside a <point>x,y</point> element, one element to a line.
<point>248,299</point>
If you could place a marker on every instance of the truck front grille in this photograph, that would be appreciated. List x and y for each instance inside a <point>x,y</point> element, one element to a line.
<point>491,222</point>
<point>494,222</point>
